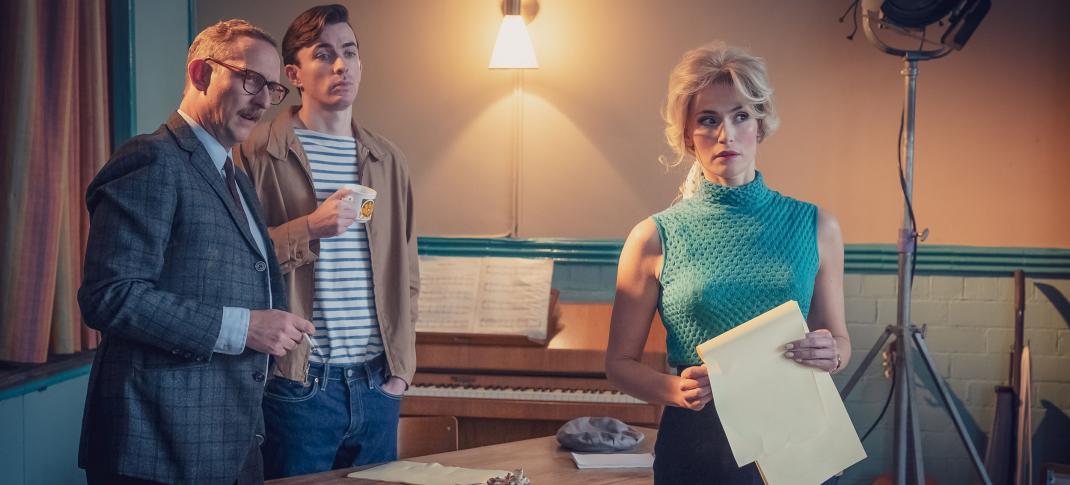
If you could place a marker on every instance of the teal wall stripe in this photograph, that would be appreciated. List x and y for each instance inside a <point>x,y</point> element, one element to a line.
<point>858,258</point>
<point>42,384</point>
<point>580,251</point>
<point>121,70</point>
<point>585,269</point>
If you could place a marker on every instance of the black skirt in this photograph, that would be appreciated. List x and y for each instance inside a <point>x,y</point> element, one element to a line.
<point>692,450</point>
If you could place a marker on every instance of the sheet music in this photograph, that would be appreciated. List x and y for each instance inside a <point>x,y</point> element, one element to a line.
<point>448,293</point>
<point>505,296</point>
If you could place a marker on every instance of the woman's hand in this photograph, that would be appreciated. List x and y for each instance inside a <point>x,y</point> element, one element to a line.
<point>693,391</point>
<point>819,349</point>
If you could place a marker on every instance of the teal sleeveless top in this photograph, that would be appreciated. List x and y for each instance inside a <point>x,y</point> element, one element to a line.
<point>731,254</point>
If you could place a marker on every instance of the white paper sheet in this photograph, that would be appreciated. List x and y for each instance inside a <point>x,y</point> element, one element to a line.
<point>503,296</point>
<point>613,460</point>
<point>787,417</point>
<point>415,473</point>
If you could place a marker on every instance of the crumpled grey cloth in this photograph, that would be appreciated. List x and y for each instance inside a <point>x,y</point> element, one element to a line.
<point>598,434</point>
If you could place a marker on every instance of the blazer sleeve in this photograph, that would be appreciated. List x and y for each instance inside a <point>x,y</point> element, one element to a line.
<point>132,205</point>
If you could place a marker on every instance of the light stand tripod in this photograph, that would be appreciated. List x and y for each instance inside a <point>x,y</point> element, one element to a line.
<point>907,437</point>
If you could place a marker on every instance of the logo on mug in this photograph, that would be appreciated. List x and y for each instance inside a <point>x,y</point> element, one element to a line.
<point>366,209</point>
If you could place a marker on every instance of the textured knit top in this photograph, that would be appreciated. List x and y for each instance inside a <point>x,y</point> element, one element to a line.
<point>731,254</point>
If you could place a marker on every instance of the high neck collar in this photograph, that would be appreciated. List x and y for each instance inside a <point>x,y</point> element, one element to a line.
<point>751,194</point>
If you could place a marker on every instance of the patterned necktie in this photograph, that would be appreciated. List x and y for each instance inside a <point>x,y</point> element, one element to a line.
<point>232,186</point>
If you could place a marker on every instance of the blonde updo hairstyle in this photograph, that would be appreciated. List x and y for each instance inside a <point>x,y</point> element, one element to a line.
<point>700,68</point>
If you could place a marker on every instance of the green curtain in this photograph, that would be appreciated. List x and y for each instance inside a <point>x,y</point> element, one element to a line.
<point>54,129</point>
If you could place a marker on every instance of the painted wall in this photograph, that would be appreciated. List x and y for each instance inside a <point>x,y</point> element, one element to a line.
<point>991,166</point>
<point>161,30</point>
<point>39,441</point>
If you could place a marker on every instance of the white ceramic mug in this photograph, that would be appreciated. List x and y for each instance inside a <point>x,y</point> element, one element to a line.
<point>363,198</point>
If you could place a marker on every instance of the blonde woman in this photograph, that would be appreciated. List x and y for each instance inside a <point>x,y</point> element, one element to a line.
<point>729,250</point>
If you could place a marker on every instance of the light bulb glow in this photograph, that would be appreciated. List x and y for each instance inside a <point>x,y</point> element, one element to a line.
<point>512,49</point>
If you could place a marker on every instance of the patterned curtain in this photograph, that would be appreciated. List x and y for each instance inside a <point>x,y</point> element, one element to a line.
<point>54,134</point>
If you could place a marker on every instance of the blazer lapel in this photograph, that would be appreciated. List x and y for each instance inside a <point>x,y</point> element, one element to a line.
<point>245,186</point>
<point>202,163</point>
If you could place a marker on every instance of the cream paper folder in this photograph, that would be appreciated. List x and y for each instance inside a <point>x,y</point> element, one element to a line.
<point>787,417</point>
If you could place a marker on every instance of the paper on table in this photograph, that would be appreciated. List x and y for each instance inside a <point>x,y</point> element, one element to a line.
<point>613,460</point>
<point>426,474</point>
<point>787,417</point>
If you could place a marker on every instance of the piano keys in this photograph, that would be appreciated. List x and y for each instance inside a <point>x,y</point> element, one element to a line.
<point>512,393</point>
<point>503,393</point>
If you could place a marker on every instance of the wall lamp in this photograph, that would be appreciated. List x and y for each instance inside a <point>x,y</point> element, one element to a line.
<point>512,49</point>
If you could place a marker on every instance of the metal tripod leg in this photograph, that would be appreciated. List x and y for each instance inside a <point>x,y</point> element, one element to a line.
<point>877,346</point>
<point>945,395</point>
<point>901,394</point>
<point>907,427</point>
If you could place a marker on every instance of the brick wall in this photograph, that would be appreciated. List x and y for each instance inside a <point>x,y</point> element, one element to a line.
<point>969,332</point>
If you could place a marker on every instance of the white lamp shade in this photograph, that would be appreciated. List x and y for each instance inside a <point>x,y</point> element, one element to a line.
<point>513,48</point>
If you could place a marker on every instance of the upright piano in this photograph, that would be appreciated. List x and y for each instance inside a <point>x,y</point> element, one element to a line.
<point>502,393</point>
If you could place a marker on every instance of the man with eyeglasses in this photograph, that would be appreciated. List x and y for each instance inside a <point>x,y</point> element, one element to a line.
<point>182,282</point>
<point>335,404</point>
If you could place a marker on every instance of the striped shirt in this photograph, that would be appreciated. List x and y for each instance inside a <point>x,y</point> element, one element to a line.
<point>343,308</point>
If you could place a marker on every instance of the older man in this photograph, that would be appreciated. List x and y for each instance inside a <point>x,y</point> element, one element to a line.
<point>181,280</point>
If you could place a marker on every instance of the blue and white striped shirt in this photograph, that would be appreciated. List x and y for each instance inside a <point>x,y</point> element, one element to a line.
<point>343,306</point>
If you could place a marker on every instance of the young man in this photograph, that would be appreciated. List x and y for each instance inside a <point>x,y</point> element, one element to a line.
<point>180,281</point>
<point>335,404</point>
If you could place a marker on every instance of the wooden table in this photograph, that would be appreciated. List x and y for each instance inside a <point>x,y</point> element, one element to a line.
<point>543,460</point>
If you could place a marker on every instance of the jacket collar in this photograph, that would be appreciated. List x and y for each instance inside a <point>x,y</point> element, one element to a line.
<point>183,134</point>
<point>281,138</point>
<point>216,151</point>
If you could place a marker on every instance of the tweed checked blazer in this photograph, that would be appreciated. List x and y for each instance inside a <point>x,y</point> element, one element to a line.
<point>168,249</point>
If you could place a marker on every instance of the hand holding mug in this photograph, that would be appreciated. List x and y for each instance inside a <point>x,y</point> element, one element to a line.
<point>333,216</point>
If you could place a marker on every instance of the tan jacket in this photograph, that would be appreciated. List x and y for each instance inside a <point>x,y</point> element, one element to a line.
<point>276,162</point>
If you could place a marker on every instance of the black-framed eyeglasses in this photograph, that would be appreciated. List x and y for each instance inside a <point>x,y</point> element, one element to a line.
<point>254,82</point>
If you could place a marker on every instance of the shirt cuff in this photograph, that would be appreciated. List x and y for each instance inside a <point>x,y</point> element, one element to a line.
<point>233,331</point>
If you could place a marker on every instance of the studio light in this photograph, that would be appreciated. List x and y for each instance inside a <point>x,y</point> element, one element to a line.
<point>957,18</point>
<point>911,21</point>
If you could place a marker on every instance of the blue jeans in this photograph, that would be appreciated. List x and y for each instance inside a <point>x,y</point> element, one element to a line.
<point>340,418</point>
